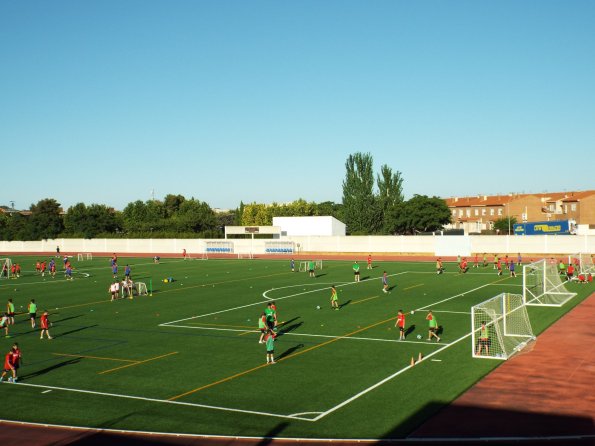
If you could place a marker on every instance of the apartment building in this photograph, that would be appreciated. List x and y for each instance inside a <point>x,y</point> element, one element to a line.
<point>479,213</point>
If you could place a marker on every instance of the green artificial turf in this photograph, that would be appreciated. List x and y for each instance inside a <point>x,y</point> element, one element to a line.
<point>187,358</point>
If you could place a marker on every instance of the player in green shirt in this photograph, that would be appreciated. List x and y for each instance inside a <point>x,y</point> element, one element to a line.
<point>32,312</point>
<point>270,343</point>
<point>269,312</point>
<point>334,298</point>
<point>311,268</point>
<point>10,311</point>
<point>356,271</point>
<point>432,326</point>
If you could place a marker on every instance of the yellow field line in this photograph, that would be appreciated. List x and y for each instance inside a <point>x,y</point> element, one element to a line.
<point>363,300</point>
<point>94,357</point>
<point>414,286</point>
<point>88,303</point>
<point>136,363</point>
<point>237,375</point>
<point>248,332</point>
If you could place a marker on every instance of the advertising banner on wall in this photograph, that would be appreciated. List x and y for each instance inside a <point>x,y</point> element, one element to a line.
<point>562,227</point>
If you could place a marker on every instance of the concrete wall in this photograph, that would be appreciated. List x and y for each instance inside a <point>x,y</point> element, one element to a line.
<point>431,245</point>
<point>310,226</point>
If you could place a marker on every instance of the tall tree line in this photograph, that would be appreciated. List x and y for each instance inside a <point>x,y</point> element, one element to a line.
<point>372,204</point>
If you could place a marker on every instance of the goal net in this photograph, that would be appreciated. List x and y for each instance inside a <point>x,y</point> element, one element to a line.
<point>141,288</point>
<point>84,256</point>
<point>304,266</point>
<point>542,285</point>
<point>583,262</point>
<point>500,327</point>
<point>6,272</point>
<point>245,255</point>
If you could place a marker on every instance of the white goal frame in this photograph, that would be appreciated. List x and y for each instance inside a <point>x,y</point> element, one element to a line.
<point>507,323</point>
<point>543,286</point>
<point>586,264</point>
<point>141,289</point>
<point>245,255</point>
<point>84,256</point>
<point>304,265</point>
<point>5,261</point>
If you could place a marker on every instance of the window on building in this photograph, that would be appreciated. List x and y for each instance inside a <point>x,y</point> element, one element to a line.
<point>454,212</point>
<point>573,207</point>
<point>460,212</point>
<point>492,211</point>
<point>500,211</point>
<point>476,212</point>
<point>483,211</point>
<point>468,212</point>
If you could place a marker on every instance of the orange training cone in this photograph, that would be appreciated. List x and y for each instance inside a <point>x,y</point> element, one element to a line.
<point>412,361</point>
<point>419,358</point>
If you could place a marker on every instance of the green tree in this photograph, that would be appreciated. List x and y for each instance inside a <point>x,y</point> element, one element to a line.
<point>172,204</point>
<point>359,202</point>
<point>419,214</point>
<point>46,220</point>
<point>196,216</point>
<point>505,225</point>
<point>90,221</point>
<point>390,194</point>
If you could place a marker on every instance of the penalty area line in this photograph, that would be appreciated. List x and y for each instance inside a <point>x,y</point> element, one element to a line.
<point>156,400</point>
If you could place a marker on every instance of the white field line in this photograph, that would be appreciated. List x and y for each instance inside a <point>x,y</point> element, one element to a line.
<point>168,324</point>
<point>311,335</point>
<point>156,400</point>
<point>453,297</point>
<point>58,279</point>
<point>385,380</point>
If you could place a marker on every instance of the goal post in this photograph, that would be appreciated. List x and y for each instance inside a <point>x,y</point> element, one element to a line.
<point>303,266</point>
<point>583,262</point>
<point>6,271</point>
<point>245,255</point>
<point>141,288</point>
<point>500,327</point>
<point>542,285</point>
<point>84,256</point>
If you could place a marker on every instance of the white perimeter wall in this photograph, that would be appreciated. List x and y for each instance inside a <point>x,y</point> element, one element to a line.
<point>431,245</point>
<point>310,226</point>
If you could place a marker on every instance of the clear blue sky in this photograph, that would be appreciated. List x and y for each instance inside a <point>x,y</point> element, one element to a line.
<point>102,101</point>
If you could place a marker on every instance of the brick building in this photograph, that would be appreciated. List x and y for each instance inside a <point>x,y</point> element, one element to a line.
<point>479,213</point>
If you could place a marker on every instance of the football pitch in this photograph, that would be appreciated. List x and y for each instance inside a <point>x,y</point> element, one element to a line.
<point>186,359</point>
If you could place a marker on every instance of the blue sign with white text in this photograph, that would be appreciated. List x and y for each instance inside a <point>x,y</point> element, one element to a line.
<point>542,227</point>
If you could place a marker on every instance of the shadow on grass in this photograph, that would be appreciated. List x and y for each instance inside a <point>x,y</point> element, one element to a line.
<point>68,318</point>
<point>289,328</point>
<point>289,351</point>
<point>410,330</point>
<point>320,275</point>
<point>345,303</point>
<point>66,333</point>
<point>50,369</point>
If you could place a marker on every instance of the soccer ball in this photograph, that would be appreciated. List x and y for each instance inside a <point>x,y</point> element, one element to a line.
<point>418,336</point>
<point>318,307</point>
<point>412,312</point>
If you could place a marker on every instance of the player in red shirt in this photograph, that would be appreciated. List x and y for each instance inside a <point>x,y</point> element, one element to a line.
<point>499,267</point>
<point>369,261</point>
<point>570,272</point>
<point>400,322</point>
<point>43,268</point>
<point>8,367</point>
<point>37,266</point>
<point>45,325</point>
<point>17,269</point>
<point>476,261</point>
<point>17,358</point>
<point>184,253</point>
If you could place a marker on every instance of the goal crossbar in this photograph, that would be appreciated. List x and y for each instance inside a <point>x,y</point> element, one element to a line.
<point>500,327</point>
<point>542,285</point>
